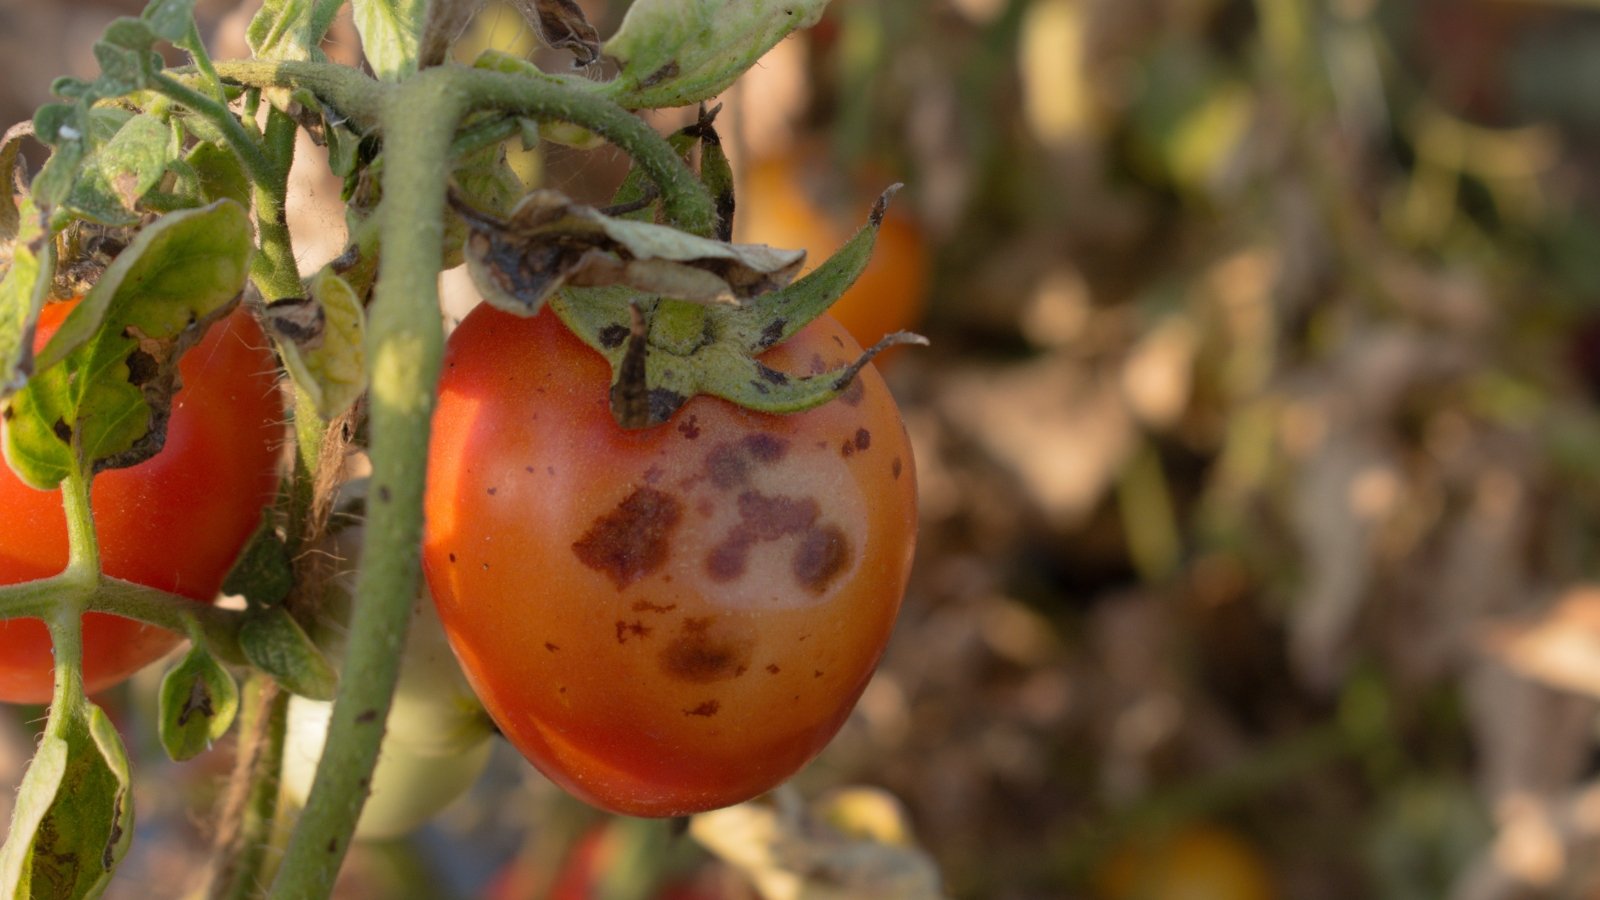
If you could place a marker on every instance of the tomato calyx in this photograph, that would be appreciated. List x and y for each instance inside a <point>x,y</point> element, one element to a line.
<point>662,353</point>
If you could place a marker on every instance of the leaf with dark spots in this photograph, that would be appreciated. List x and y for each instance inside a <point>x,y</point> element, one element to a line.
<point>634,539</point>
<point>110,372</point>
<point>823,555</point>
<point>197,703</point>
<point>297,319</point>
<point>667,71</point>
<point>770,375</point>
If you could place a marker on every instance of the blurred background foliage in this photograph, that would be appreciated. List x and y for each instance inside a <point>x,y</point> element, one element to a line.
<point>1258,448</point>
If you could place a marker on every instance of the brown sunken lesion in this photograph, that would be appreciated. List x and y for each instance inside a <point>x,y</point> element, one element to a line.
<point>634,629</point>
<point>708,649</point>
<point>762,517</point>
<point>647,606</point>
<point>634,539</point>
<point>706,709</point>
<point>823,555</point>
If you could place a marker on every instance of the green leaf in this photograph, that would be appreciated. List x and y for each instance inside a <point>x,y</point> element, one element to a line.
<point>263,574</point>
<point>678,52</point>
<point>127,58</point>
<point>169,20</point>
<point>198,702</point>
<point>221,175</point>
<point>276,644</point>
<point>74,815</point>
<point>124,170</point>
<point>22,293</point>
<point>390,31</point>
<point>291,29</point>
<point>322,343</point>
<point>109,399</point>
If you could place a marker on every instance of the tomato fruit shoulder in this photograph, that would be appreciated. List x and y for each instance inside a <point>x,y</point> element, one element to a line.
<point>668,620</point>
<point>175,521</point>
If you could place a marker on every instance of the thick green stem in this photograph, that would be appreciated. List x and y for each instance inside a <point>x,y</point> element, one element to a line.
<point>275,272</point>
<point>83,546</point>
<point>405,341</point>
<point>256,161</point>
<point>688,205</point>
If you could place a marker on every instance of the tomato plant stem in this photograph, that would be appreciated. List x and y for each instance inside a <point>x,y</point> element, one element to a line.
<point>83,546</point>
<point>275,271</point>
<point>256,162</point>
<point>244,838</point>
<point>405,343</point>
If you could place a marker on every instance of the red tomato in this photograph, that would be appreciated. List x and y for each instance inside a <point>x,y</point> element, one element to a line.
<point>175,521</point>
<point>777,207</point>
<point>668,620</point>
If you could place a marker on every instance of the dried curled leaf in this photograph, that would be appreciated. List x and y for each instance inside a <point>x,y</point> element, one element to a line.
<point>322,342</point>
<point>561,24</point>
<point>549,242</point>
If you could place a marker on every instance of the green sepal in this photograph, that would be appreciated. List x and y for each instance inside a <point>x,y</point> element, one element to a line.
<point>73,820</point>
<point>117,174</point>
<point>276,644</point>
<point>263,574</point>
<point>22,294</point>
<point>773,318</point>
<point>679,52</point>
<point>322,342</point>
<point>655,370</point>
<point>651,379</point>
<point>197,705</point>
<point>108,400</point>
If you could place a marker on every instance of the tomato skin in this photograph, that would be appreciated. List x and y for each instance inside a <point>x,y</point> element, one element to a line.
<point>775,207</point>
<point>668,620</point>
<point>175,521</point>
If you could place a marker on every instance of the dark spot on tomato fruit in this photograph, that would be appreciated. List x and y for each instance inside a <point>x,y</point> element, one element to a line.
<point>863,439</point>
<point>635,628</point>
<point>647,606</point>
<point>551,647</point>
<point>816,673</point>
<point>528,469</point>
<point>632,540</point>
<point>728,464</point>
<point>707,709</point>
<point>707,650</point>
<point>653,475</point>
<point>896,466</point>
<point>493,491</point>
<point>773,668</point>
<point>823,555</point>
<point>452,557</point>
<point>853,392</point>
<point>847,449</point>
<point>761,518</point>
<point>690,427</point>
